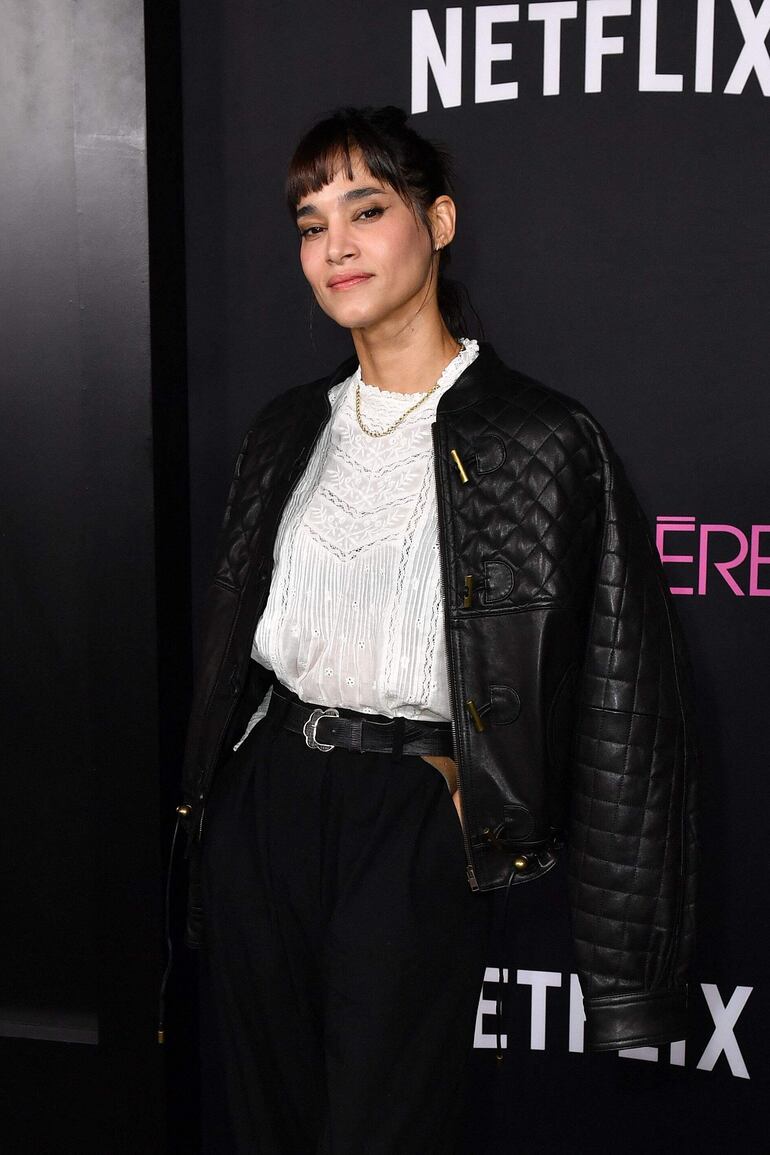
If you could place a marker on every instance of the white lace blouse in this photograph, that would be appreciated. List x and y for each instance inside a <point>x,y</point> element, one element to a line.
<point>354,613</point>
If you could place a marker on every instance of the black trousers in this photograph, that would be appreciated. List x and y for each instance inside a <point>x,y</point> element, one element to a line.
<point>344,952</point>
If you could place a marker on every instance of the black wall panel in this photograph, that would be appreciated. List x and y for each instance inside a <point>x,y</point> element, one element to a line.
<point>614,243</point>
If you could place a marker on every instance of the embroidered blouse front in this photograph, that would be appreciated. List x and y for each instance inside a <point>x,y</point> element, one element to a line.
<point>354,613</point>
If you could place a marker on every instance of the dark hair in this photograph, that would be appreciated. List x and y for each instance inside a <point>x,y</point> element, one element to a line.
<point>418,169</point>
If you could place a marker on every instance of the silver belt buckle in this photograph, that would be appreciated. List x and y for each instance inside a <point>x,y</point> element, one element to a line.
<point>310,727</point>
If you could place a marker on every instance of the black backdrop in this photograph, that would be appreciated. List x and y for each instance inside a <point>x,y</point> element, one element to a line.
<point>615,245</point>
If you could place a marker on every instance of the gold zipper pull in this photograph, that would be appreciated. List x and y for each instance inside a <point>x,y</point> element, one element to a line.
<point>475,715</point>
<point>456,458</point>
<point>468,599</point>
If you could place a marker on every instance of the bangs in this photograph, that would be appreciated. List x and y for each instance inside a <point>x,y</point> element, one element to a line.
<point>328,149</point>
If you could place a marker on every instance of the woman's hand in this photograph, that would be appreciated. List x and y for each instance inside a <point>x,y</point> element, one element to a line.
<point>448,767</point>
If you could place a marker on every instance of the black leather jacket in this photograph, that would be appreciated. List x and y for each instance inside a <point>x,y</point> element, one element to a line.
<point>571,702</point>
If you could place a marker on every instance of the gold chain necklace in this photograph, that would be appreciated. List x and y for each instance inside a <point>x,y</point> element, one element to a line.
<point>411,409</point>
<point>382,432</point>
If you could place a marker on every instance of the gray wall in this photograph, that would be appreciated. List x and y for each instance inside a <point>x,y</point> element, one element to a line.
<point>80,853</point>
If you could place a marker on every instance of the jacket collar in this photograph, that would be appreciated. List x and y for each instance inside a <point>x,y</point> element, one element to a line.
<point>469,387</point>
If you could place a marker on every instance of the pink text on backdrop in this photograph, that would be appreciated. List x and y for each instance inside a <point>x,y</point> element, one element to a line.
<point>715,547</point>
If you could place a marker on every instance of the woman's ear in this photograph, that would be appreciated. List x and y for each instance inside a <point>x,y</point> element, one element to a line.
<point>443,217</point>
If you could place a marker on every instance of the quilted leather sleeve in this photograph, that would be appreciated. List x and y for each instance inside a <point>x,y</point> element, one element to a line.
<point>633,845</point>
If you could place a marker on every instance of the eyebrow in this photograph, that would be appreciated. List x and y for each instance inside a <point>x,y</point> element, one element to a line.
<point>355,194</point>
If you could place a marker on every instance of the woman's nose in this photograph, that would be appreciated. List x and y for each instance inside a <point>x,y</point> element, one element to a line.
<point>339,243</point>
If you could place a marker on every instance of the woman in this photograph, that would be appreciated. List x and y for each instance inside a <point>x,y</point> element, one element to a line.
<point>437,636</point>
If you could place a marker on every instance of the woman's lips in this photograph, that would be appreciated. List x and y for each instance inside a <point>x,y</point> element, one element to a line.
<point>350,282</point>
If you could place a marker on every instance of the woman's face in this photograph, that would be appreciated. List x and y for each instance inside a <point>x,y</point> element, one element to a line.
<point>366,256</point>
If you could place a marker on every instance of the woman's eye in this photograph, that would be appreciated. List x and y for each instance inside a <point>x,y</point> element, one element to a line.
<point>369,214</point>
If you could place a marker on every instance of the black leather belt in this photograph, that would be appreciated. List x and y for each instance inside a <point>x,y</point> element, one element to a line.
<point>324,728</point>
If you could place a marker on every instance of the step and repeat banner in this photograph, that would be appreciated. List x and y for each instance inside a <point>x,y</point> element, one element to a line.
<point>613,184</point>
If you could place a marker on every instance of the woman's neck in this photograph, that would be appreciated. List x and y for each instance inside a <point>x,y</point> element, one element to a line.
<point>409,363</point>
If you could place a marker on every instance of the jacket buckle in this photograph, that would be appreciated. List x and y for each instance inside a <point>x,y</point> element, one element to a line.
<point>309,728</point>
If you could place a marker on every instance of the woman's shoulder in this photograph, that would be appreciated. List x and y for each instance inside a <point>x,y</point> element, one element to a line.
<point>525,405</point>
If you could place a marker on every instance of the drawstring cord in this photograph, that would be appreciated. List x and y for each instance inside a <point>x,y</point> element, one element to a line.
<point>499,1001</point>
<point>169,942</point>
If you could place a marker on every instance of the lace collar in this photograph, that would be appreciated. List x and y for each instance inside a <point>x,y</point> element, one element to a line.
<point>393,399</point>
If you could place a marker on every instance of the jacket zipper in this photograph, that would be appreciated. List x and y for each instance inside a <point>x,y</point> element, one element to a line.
<point>302,462</point>
<point>470,868</point>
